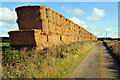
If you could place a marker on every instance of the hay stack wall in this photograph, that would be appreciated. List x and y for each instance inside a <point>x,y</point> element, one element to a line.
<point>42,27</point>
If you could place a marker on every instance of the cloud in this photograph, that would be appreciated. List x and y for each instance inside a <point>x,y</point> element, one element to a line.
<point>93,28</point>
<point>96,30</point>
<point>89,18</point>
<point>108,23</point>
<point>98,12</point>
<point>113,35</point>
<point>78,12</point>
<point>4,34</point>
<point>1,24</point>
<point>111,24</point>
<point>79,22</point>
<point>96,15</point>
<point>7,15</point>
<point>108,30</point>
<point>101,32</point>
<point>10,26</point>
<point>7,27</point>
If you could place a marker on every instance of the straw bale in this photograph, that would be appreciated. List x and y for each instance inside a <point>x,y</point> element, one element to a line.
<point>51,27</point>
<point>54,40</point>
<point>71,39</point>
<point>62,29</point>
<point>57,18</point>
<point>75,38</point>
<point>40,37</point>
<point>49,14</point>
<point>71,24</point>
<point>22,37</point>
<point>43,15</point>
<point>75,27</point>
<point>70,32</point>
<point>79,38</point>
<point>30,12</point>
<point>65,39</point>
<point>65,31</point>
<point>45,26</point>
<point>27,11</point>
<point>34,24</point>
<point>34,37</point>
<point>33,18</point>
<point>50,22</point>
<point>58,30</point>
<point>53,16</point>
<point>67,22</point>
<point>62,20</point>
<point>42,8</point>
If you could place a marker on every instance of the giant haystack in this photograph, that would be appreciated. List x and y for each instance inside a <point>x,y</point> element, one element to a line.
<point>42,27</point>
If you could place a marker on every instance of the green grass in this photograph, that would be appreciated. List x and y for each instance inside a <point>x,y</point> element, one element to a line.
<point>4,44</point>
<point>53,62</point>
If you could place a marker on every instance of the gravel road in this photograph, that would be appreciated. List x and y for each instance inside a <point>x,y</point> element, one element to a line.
<point>98,64</point>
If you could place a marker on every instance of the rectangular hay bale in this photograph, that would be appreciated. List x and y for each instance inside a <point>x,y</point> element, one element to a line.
<point>54,40</point>
<point>23,38</point>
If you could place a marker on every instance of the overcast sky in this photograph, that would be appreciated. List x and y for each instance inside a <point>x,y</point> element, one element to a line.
<point>97,17</point>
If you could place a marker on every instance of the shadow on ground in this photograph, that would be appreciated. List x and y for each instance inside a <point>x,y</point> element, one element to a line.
<point>114,67</point>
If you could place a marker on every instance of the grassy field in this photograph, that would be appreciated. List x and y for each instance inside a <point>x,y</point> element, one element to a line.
<point>52,62</point>
<point>114,46</point>
<point>4,44</point>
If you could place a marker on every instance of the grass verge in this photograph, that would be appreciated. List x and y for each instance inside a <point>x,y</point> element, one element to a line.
<point>47,63</point>
<point>99,73</point>
<point>114,47</point>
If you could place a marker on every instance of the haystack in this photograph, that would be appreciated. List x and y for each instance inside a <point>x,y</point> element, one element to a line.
<point>42,27</point>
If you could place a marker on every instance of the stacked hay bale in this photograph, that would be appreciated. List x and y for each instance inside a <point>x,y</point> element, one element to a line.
<point>43,27</point>
<point>31,17</point>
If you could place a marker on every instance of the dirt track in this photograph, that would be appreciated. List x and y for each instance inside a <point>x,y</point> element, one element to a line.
<point>98,64</point>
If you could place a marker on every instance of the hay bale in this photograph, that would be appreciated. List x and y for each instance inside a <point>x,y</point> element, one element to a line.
<point>34,24</point>
<point>42,12</point>
<point>53,17</point>
<point>65,31</point>
<point>71,24</point>
<point>22,37</point>
<point>71,39</point>
<point>67,39</point>
<point>67,22</point>
<point>58,30</point>
<point>33,37</point>
<point>44,25</point>
<point>62,20</point>
<point>31,16</point>
<point>27,11</point>
<point>70,31</point>
<point>62,30</point>
<point>57,18</point>
<point>64,39</point>
<point>49,14</point>
<point>54,40</point>
<point>51,27</point>
<point>30,12</point>
<point>41,39</point>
